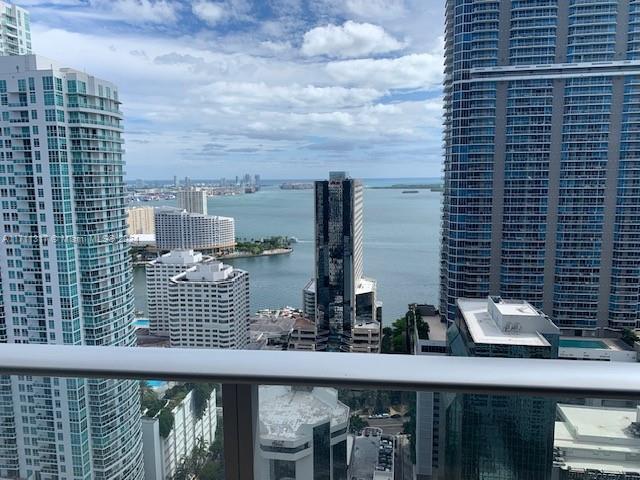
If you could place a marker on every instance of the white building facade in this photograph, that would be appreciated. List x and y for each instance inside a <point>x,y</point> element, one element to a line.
<point>163,455</point>
<point>15,30</point>
<point>65,271</point>
<point>303,434</point>
<point>209,307</point>
<point>192,200</point>
<point>159,273</point>
<point>180,230</point>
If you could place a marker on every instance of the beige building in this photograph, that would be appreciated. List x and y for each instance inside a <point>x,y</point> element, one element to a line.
<point>141,221</point>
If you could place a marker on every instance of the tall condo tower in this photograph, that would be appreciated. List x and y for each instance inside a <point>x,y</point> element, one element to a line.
<point>339,282</point>
<point>65,271</point>
<point>15,30</point>
<point>542,190</point>
<point>192,200</point>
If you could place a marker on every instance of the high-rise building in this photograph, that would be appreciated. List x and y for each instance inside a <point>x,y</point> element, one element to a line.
<point>65,271</point>
<point>15,30</point>
<point>159,273</point>
<point>141,220</point>
<point>192,200</point>
<point>180,230</point>
<point>499,436</point>
<point>338,264</point>
<point>194,420</point>
<point>209,307</point>
<point>430,424</point>
<point>302,434</point>
<point>541,174</point>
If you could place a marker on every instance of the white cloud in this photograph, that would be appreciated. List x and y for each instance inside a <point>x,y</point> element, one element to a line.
<point>138,11</point>
<point>376,9</point>
<point>206,99</point>
<point>421,71</point>
<point>260,95</point>
<point>352,39</point>
<point>209,12</point>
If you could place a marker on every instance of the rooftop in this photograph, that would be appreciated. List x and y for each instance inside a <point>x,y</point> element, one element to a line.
<point>597,438</point>
<point>504,322</point>
<point>180,257</point>
<point>285,411</point>
<point>209,272</point>
<point>437,329</point>
<point>365,285</point>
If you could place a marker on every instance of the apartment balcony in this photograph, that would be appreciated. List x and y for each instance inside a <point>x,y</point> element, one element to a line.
<point>578,408</point>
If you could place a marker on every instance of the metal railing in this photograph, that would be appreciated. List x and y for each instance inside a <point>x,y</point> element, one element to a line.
<point>241,371</point>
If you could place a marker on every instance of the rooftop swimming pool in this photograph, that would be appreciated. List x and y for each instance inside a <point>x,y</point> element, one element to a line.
<point>141,323</point>
<point>582,343</point>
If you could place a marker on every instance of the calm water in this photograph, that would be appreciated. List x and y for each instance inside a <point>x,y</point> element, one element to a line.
<point>401,245</point>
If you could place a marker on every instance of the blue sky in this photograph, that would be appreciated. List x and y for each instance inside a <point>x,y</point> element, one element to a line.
<point>284,88</point>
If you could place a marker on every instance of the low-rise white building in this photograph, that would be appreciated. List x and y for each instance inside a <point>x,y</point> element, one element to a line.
<point>164,454</point>
<point>178,229</point>
<point>209,307</point>
<point>596,443</point>
<point>303,434</point>
<point>159,273</point>
<point>192,200</point>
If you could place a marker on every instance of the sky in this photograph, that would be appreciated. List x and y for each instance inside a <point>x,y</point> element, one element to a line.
<point>282,88</point>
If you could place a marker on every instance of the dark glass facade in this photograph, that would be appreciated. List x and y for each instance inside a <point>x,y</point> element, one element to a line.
<point>338,259</point>
<point>339,456</point>
<point>322,452</point>
<point>498,437</point>
<point>542,181</point>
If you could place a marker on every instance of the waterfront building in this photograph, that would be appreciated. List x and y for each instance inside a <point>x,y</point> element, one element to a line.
<point>158,277</point>
<point>498,436</point>
<point>15,30</point>
<point>430,407</point>
<point>209,307</point>
<point>596,443</point>
<point>339,263</point>
<point>303,434</point>
<point>180,230</point>
<point>193,200</point>
<point>62,175</point>
<point>141,221</point>
<point>541,181</point>
<point>192,423</point>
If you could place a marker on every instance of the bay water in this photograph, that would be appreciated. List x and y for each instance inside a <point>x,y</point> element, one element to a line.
<point>401,244</point>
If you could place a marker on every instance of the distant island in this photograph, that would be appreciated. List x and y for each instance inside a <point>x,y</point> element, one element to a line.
<point>296,186</point>
<point>434,187</point>
<point>261,247</point>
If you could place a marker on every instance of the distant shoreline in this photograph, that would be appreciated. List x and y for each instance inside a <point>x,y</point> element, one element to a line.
<point>434,187</point>
<point>266,253</point>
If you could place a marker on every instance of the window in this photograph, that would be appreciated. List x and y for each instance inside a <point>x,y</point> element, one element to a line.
<point>47,83</point>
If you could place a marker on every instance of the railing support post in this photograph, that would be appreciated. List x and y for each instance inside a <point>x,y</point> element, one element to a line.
<point>240,420</point>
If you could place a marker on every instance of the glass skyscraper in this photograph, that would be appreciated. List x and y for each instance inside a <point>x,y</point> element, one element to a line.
<point>338,258</point>
<point>65,272</point>
<point>542,169</point>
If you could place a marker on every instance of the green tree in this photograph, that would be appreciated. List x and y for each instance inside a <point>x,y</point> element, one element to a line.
<point>629,336</point>
<point>356,423</point>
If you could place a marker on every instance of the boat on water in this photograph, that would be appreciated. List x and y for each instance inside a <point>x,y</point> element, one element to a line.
<point>410,191</point>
